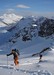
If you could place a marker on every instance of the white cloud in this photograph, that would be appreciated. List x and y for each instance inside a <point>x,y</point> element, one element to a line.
<point>22,6</point>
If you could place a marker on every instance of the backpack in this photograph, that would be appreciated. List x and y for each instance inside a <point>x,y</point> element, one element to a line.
<point>17,51</point>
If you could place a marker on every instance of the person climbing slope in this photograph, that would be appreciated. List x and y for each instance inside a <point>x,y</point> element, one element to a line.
<point>15,54</point>
<point>40,59</point>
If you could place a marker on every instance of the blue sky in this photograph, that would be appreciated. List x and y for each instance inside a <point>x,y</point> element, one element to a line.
<point>25,7</point>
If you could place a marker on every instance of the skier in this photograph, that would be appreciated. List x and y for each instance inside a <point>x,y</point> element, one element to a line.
<point>40,56</point>
<point>40,59</point>
<point>15,54</point>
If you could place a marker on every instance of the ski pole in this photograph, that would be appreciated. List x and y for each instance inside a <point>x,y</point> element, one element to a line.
<point>7,61</point>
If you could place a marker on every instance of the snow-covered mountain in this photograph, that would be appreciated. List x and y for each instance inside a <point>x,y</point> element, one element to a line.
<point>9,18</point>
<point>25,29</point>
<point>23,33</point>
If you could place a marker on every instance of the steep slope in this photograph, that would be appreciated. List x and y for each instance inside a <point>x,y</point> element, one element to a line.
<point>29,66</point>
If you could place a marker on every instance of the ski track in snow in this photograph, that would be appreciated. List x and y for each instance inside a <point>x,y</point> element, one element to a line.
<point>26,67</point>
<point>14,70</point>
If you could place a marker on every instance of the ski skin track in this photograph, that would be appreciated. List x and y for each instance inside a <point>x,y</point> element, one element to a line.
<point>24,71</point>
<point>12,66</point>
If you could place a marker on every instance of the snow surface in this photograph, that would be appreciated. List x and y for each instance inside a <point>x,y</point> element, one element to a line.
<point>28,65</point>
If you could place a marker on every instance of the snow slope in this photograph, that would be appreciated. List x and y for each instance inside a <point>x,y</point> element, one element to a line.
<point>28,66</point>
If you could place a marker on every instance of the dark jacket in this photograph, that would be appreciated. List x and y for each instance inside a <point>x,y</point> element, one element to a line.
<point>14,54</point>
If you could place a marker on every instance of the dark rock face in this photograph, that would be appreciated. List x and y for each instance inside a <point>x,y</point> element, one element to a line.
<point>46,28</point>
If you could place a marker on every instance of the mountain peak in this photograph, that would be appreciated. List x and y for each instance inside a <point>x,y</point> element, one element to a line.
<point>10,18</point>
